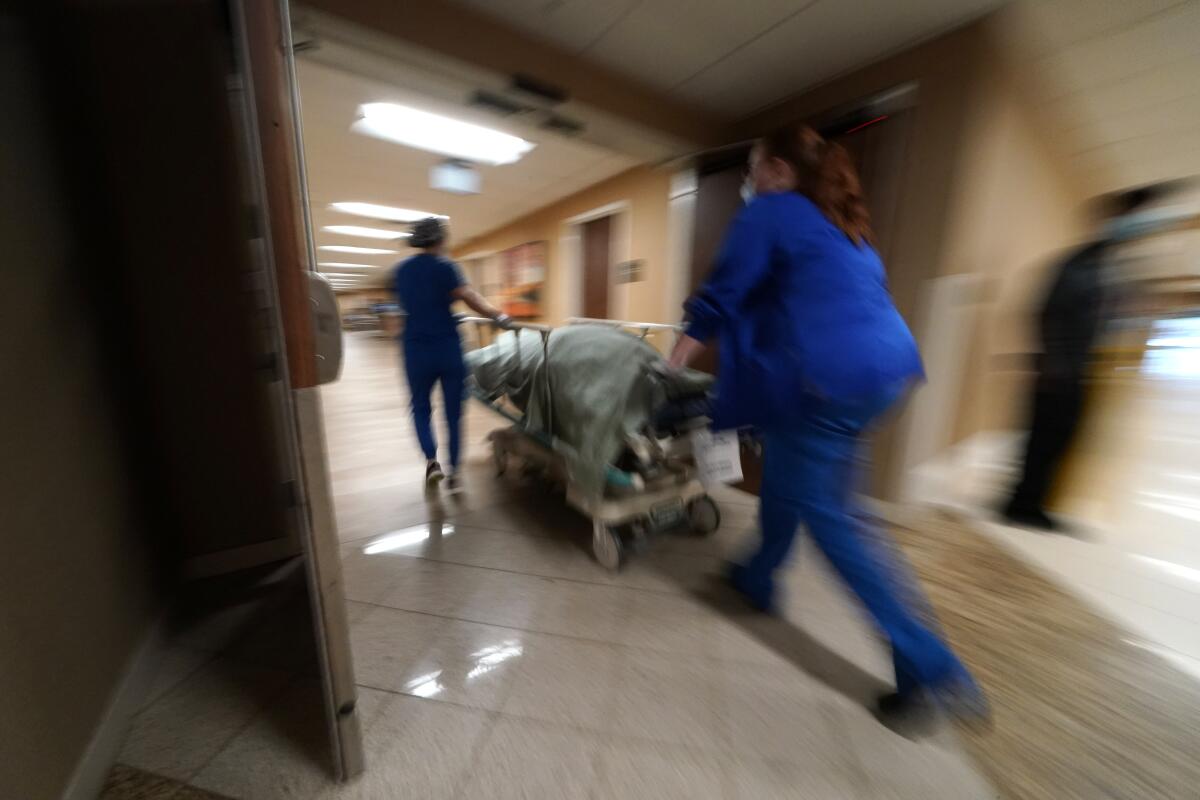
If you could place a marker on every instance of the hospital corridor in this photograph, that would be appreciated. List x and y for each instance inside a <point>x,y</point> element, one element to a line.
<point>479,399</point>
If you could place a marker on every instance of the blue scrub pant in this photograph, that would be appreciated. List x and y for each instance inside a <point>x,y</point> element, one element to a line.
<point>426,364</point>
<point>809,471</point>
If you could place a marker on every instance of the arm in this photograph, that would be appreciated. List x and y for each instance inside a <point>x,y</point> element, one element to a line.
<point>459,289</point>
<point>477,303</point>
<point>685,350</point>
<point>742,265</point>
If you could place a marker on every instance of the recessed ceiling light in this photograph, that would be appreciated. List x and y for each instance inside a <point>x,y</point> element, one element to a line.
<point>438,134</point>
<point>368,233</point>
<point>349,248</point>
<point>389,213</point>
<point>345,264</point>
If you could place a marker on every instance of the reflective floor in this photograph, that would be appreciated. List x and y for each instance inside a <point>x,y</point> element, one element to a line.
<point>1130,495</point>
<point>511,665</point>
<point>496,659</point>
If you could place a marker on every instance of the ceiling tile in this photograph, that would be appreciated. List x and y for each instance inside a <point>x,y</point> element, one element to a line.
<point>667,41</point>
<point>572,24</point>
<point>825,40</point>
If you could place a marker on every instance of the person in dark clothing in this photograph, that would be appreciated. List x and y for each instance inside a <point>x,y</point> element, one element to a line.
<point>427,285</point>
<point>1069,322</point>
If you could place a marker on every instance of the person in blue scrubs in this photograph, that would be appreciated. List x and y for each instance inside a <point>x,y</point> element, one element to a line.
<point>813,351</point>
<point>427,285</point>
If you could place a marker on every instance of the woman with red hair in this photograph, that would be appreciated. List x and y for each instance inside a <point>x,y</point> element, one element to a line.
<point>812,351</point>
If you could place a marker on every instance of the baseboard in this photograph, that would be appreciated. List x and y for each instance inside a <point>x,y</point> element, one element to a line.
<point>90,773</point>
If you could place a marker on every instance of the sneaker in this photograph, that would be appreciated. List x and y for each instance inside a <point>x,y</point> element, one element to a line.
<point>433,474</point>
<point>454,483</point>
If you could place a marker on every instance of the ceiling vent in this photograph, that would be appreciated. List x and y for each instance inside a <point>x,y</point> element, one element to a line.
<point>498,103</point>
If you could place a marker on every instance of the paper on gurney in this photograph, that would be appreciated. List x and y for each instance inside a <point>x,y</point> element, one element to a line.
<point>718,458</point>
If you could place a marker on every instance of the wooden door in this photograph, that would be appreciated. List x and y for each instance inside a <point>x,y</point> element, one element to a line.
<point>276,155</point>
<point>597,236</point>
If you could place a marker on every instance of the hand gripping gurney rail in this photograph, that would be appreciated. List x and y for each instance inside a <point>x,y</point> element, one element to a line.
<point>593,409</point>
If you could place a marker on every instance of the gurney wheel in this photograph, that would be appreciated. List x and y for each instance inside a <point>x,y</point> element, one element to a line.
<point>704,515</point>
<point>606,546</point>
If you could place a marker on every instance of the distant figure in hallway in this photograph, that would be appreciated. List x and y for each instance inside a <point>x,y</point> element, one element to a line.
<point>1069,322</point>
<point>427,286</point>
<point>813,352</point>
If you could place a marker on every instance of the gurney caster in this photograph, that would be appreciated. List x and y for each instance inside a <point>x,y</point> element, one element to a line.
<point>607,546</point>
<point>704,515</point>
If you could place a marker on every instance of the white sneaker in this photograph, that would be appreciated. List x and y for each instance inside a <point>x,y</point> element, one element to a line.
<point>433,474</point>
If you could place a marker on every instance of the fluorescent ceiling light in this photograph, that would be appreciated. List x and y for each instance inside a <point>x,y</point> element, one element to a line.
<point>438,134</point>
<point>345,264</point>
<point>349,248</point>
<point>342,275</point>
<point>384,212</point>
<point>369,233</point>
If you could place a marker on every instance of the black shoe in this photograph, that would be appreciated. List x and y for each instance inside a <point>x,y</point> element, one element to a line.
<point>1029,518</point>
<point>454,483</point>
<point>908,714</point>
<point>433,474</point>
<point>916,711</point>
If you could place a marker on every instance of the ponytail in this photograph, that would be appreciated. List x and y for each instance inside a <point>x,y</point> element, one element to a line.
<point>825,174</point>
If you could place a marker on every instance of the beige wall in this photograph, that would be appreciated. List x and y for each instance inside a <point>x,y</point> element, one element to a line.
<point>74,560</point>
<point>945,70</point>
<point>1017,208</point>
<point>645,189</point>
<point>983,193</point>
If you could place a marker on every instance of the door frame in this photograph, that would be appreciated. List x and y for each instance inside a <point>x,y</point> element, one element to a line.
<point>620,250</point>
<point>263,38</point>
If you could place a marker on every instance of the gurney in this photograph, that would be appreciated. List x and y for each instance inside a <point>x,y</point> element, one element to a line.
<point>593,411</point>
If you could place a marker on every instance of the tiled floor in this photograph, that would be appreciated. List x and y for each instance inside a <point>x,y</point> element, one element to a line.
<point>518,667</point>
<point>496,659</point>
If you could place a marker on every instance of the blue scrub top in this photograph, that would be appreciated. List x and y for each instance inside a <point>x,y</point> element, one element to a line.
<point>801,313</point>
<point>423,285</point>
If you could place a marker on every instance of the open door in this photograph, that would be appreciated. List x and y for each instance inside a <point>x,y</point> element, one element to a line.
<point>304,333</point>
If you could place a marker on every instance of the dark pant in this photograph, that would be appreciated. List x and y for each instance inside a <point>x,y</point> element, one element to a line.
<point>1055,415</point>
<point>809,471</point>
<point>427,364</point>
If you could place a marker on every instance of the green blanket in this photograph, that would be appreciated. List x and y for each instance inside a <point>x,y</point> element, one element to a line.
<point>601,387</point>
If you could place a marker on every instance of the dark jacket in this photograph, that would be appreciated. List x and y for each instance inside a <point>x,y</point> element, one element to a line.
<point>1072,315</point>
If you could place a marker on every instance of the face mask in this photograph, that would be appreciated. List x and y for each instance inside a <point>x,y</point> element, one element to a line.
<point>1130,226</point>
<point>747,191</point>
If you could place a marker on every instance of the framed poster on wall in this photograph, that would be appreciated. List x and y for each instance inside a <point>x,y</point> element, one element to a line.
<point>523,278</point>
